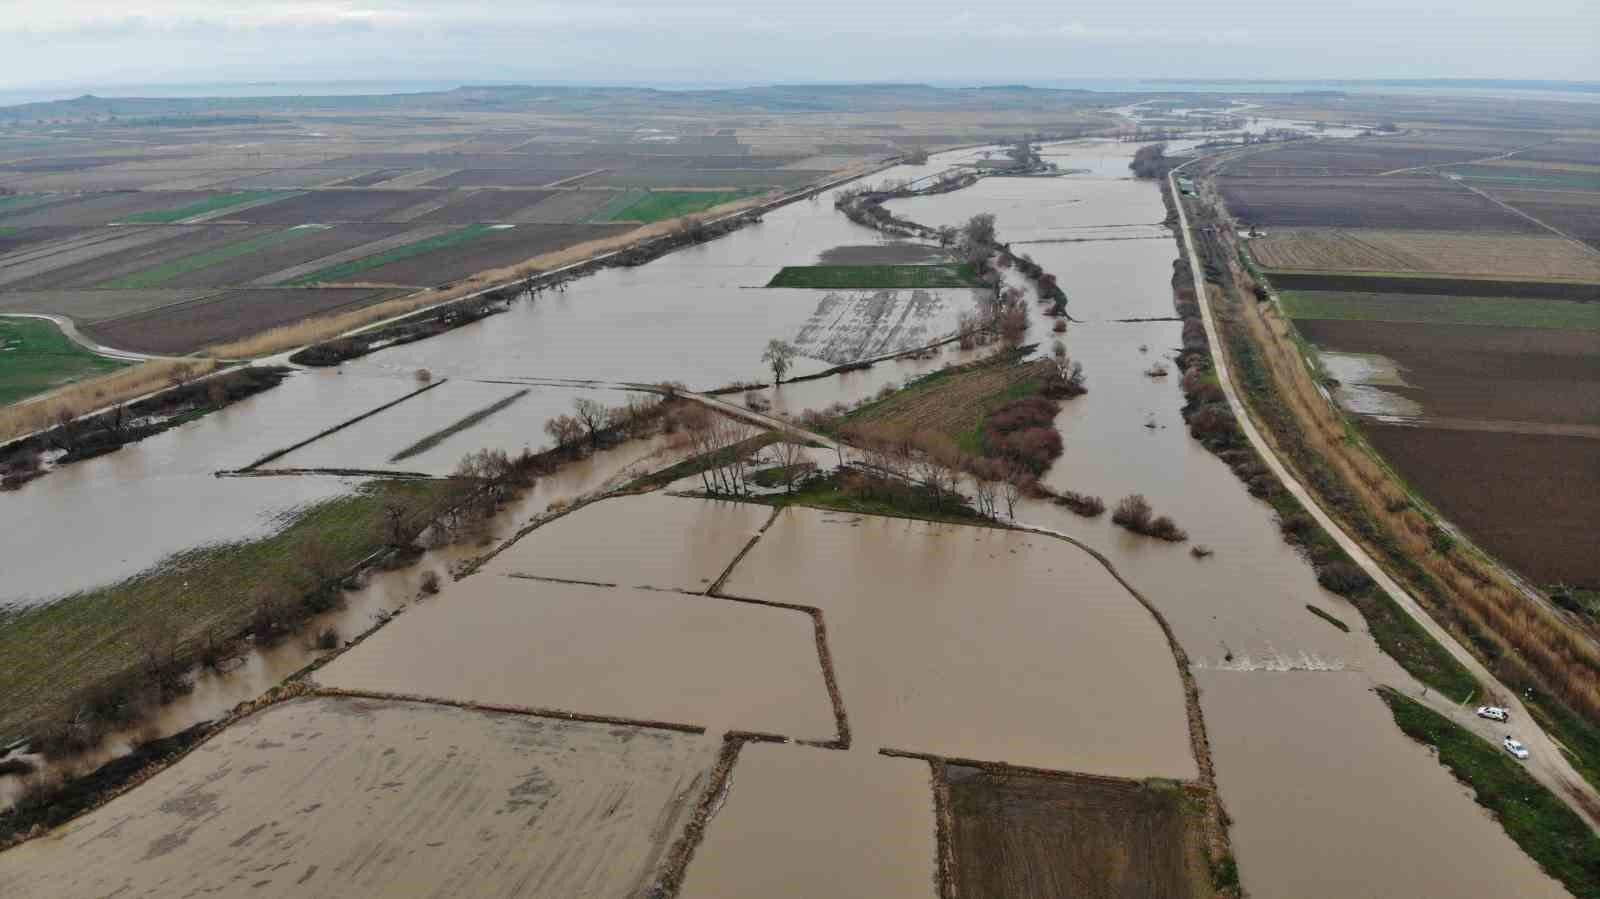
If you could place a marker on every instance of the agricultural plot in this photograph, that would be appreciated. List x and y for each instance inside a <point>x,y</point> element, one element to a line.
<point>1429,252</point>
<point>470,207</point>
<point>1028,835</point>
<point>1424,203</point>
<point>1435,285</point>
<point>637,541</point>
<point>328,206</point>
<point>1481,371</point>
<point>658,205</point>
<point>1441,309</point>
<point>1351,157</point>
<point>913,652</point>
<point>172,270</point>
<point>574,206</point>
<point>105,255</point>
<point>851,326</point>
<point>179,327</point>
<point>36,357</point>
<point>875,277</point>
<point>370,178</point>
<point>460,253</point>
<point>343,796</point>
<point>209,204</point>
<point>1583,152</point>
<point>1575,212</point>
<point>85,306</point>
<point>508,178</point>
<point>643,655</point>
<point>718,179</point>
<point>1526,176</point>
<point>802,822</point>
<point>85,210</point>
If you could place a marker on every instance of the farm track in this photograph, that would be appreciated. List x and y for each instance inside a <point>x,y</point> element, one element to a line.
<point>1548,765</point>
<point>1540,222</point>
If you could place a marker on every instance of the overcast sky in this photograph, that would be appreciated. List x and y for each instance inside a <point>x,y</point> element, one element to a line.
<point>100,42</point>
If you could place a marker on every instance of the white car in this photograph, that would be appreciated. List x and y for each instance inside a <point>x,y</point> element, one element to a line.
<point>1515,747</point>
<point>1493,713</point>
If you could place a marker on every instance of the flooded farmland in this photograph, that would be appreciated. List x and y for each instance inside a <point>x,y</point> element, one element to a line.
<point>914,611</point>
<point>802,822</point>
<point>637,654</point>
<point>957,641</point>
<point>334,796</point>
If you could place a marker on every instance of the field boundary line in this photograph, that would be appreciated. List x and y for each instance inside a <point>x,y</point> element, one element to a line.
<point>338,427</point>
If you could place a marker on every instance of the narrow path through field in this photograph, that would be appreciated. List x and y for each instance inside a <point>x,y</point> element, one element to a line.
<point>1540,222</point>
<point>1548,764</point>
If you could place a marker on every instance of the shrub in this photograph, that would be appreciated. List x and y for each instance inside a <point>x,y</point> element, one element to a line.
<point>423,376</point>
<point>430,582</point>
<point>15,767</point>
<point>1167,529</point>
<point>1200,551</point>
<point>328,639</point>
<point>1343,578</point>
<point>1060,327</point>
<point>1133,513</point>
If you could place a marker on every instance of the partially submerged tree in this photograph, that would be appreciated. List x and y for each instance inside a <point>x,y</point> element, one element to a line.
<point>779,356</point>
<point>592,415</point>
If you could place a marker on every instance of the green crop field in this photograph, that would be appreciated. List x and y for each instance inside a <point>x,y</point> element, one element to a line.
<point>875,277</point>
<point>366,263</point>
<point>35,357</point>
<point>1490,174</point>
<point>151,277</point>
<point>615,205</point>
<point>1451,310</point>
<point>209,204</point>
<point>656,205</point>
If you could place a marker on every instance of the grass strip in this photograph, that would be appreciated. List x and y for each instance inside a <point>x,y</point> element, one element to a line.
<point>657,205</point>
<point>1515,312</point>
<point>438,437</point>
<point>209,204</point>
<point>11,203</point>
<point>36,357</point>
<point>377,260</point>
<point>52,653</point>
<point>166,271</point>
<point>1551,833</point>
<point>876,277</point>
<point>1328,618</point>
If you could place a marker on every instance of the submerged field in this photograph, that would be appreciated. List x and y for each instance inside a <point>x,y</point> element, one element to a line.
<point>870,277</point>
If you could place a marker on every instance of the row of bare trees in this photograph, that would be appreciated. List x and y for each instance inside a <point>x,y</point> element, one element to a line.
<point>920,466</point>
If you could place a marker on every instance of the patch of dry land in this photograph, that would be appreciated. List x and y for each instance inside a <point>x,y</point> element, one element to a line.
<point>352,797</point>
<point>1430,252</point>
<point>979,643</point>
<point>638,541</point>
<point>804,822</point>
<point>642,655</point>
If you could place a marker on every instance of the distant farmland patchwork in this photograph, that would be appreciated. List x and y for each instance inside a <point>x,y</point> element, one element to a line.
<point>1489,321</point>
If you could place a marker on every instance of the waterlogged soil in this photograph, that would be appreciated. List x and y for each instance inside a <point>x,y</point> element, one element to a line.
<point>335,796</point>
<point>849,325</point>
<point>638,541</point>
<point>1379,816</point>
<point>643,655</point>
<point>979,643</point>
<point>804,822</point>
<point>1366,381</point>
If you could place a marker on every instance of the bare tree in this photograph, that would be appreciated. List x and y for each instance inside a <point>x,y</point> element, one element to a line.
<point>779,356</point>
<point>792,460</point>
<point>592,415</point>
<point>565,430</point>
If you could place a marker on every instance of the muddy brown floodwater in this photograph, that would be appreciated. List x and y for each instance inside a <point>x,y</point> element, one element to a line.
<point>643,655</point>
<point>1295,789</point>
<point>343,797</point>
<point>638,541</point>
<point>802,822</point>
<point>979,643</point>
